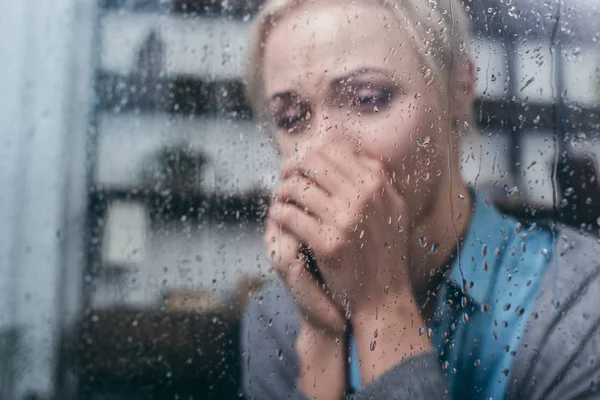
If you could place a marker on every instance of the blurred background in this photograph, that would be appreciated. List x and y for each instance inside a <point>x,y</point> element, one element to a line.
<point>134,180</point>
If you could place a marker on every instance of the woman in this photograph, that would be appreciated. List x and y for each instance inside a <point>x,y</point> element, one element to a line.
<point>397,279</point>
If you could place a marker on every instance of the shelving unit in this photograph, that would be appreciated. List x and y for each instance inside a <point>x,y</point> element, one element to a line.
<point>169,77</point>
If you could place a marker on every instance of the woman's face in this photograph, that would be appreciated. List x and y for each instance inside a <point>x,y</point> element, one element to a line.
<point>350,77</point>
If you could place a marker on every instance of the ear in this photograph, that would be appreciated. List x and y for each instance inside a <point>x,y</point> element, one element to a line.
<point>464,90</point>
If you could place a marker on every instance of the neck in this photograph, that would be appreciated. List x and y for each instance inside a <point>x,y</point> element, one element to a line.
<point>437,237</point>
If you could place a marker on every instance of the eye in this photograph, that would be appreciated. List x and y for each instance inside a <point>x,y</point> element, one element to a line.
<point>367,98</point>
<point>290,113</point>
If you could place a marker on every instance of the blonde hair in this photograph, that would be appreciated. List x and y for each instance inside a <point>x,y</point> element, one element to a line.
<point>439,29</point>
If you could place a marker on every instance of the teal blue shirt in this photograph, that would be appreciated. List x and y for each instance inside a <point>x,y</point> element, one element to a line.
<point>484,303</point>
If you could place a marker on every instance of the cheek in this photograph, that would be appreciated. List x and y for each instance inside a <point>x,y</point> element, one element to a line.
<point>401,136</point>
<point>413,145</point>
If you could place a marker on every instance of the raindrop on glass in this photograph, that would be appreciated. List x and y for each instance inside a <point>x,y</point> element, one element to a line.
<point>434,248</point>
<point>512,191</point>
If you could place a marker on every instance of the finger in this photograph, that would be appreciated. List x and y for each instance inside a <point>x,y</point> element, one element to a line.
<point>313,299</point>
<point>306,195</point>
<point>320,237</point>
<point>316,168</point>
<point>282,247</point>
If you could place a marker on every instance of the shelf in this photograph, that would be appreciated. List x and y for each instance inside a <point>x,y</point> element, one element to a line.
<point>234,9</point>
<point>178,95</point>
<point>173,205</point>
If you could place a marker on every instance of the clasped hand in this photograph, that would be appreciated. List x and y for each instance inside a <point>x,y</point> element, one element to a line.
<point>346,209</point>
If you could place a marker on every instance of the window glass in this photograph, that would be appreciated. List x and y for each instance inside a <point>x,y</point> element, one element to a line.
<point>140,167</point>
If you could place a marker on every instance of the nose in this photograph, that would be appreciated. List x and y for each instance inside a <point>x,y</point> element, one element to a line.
<point>327,131</point>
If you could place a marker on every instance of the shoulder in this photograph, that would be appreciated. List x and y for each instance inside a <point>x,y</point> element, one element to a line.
<point>559,343</point>
<point>269,330</point>
<point>270,324</point>
<point>272,312</point>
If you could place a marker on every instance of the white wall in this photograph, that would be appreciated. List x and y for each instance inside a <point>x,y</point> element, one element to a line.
<point>38,145</point>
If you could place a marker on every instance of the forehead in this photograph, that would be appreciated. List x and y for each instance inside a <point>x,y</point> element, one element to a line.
<point>317,42</point>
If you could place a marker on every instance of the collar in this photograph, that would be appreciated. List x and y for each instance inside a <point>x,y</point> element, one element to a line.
<point>484,242</point>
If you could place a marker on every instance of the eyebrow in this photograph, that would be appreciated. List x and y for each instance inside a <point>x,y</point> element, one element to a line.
<point>356,73</point>
<point>338,80</point>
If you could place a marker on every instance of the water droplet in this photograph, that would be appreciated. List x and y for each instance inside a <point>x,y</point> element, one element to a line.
<point>569,191</point>
<point>279,354</point>
<point>423,241</point>
<point>513,12</point>
<point>507,307</point>
<point>477,362</point>
<point>545,253</point>
<point>518,227</point>
<point>586,316</point>
<point>386,289</point>
<point>348,314</point>
<point>420,331</point>
<point>457,217</point>
<point>466,317</point>
<point>505,372</point>
<point>270,321</point>
<point>532,228</point>
<point>463,302</point>
<point>434,248</point>
<point>556,303</point>
<point>273,255</point>
<point>372,345</point>
<point>512,191</point>
<point>497,253</point>
<point>461,196</point>
<point>376,333</point>
<point>389,220</point>
<point>362,233</point>
<point>523,247</point>
<point>519,311</point>
<point>429,333</point>
<point>445,365</point>
<point>485,266</point>
<point>485,308</point>
<point>484,250</point>
<point>423,143</point>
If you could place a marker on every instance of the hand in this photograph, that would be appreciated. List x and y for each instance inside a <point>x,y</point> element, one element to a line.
<point>321,342</point>
<point>317,308</point>
<point>346,208</point>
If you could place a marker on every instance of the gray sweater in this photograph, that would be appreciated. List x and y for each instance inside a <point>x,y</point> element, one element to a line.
<point>557,358</point>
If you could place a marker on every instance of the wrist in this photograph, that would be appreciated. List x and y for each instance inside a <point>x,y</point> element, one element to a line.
<point>315,344</point>
<point>387,335</point>
<point>322,368</point>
